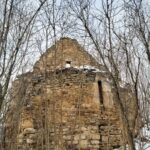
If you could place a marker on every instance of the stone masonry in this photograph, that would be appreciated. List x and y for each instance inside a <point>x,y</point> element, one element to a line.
<point>65,103</point>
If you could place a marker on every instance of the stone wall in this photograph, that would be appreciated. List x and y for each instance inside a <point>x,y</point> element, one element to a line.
<point>65,49</point>
<point>63,111</point>
<point>58,108</point>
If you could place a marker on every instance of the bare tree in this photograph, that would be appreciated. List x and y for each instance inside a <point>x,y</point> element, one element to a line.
<point>138,22</point>
<point>17,20</point>
<point>118,31</point>
<point>118,46</point>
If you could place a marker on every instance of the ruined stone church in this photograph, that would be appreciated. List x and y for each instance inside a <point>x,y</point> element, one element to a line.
<point>66,103</point>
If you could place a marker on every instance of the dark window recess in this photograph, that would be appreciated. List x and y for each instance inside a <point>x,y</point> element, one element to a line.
<point>100,92</point>
<point>68,62</point>
<point>67,84</point>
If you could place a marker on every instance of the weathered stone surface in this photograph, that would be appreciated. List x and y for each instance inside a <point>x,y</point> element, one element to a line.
<point>29,131</point>
<point>83,144</point>
<point>29,141</point>
<point>95,142</point>
<point>65,108</point>
<point>95,136</point>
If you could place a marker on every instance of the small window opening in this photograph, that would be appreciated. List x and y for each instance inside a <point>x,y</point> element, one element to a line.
<point>100,92</point>
<point>67,84</point>
<point>68,64</point>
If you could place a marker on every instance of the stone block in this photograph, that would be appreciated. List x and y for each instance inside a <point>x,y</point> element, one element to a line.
<point>83,136</point>
<point>67,137</point>
<point>20,141</point>
<point>95,147</point>
<point>75,142</point>
<point>83,144</point>
<point>104,138</point>
<point>29,131</point>
<point>26,124</point>
<point>95,136</point>
<point>29,141</point>
<point>77,137</point>
<point>95,142</point>
<point>83,128</point>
